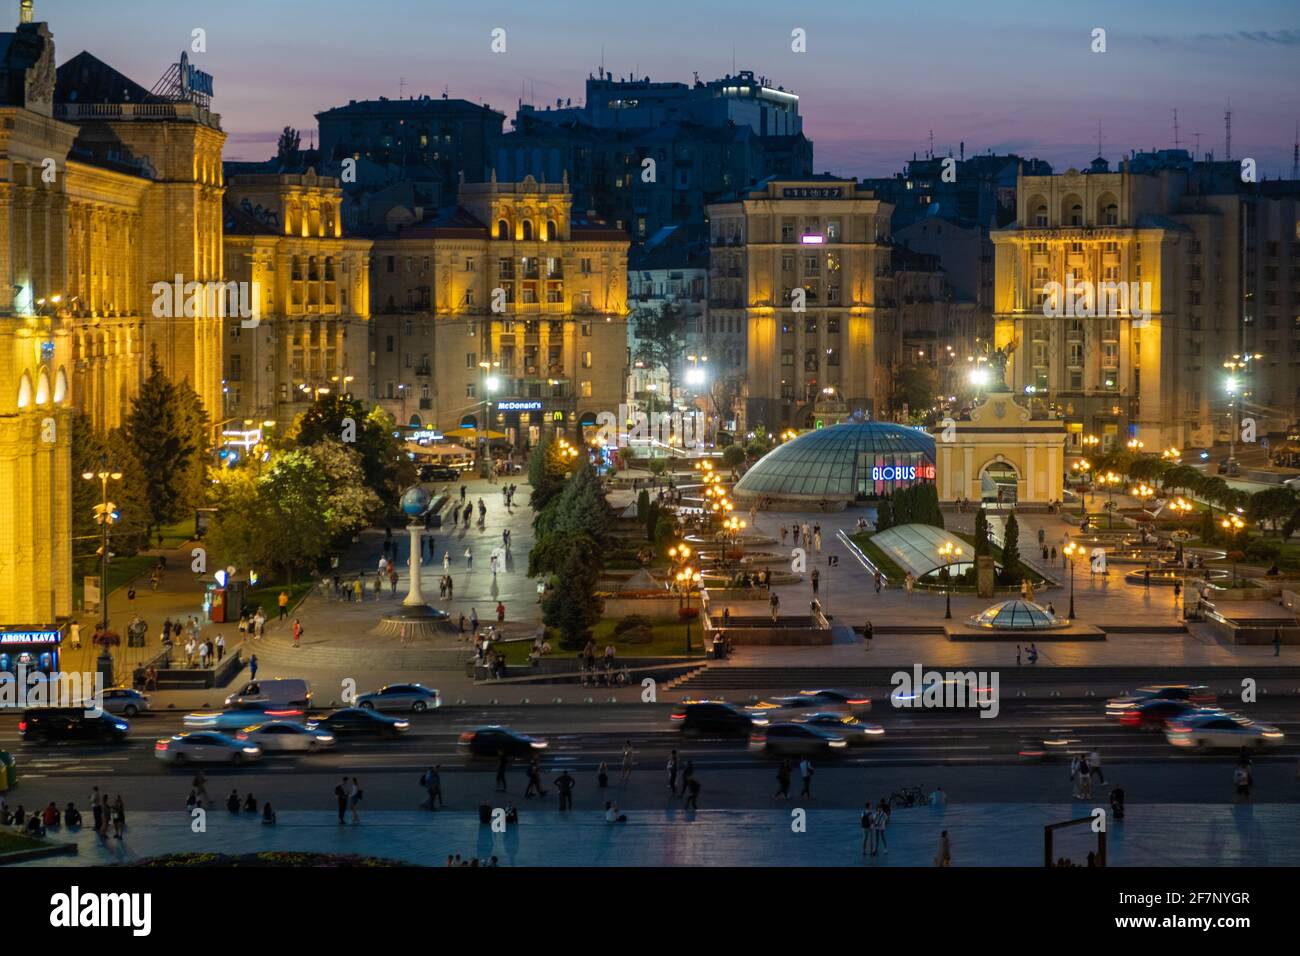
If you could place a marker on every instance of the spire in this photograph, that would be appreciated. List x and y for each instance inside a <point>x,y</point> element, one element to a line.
<point>25,11</point>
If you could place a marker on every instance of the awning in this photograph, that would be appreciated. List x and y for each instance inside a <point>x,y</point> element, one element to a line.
<point>474,434</point>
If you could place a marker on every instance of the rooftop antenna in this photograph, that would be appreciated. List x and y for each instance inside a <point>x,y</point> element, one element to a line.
<point>733,58</point>
<point>1197,152</point>
<point>401,86</point>
<point>1099,139</point>
<point>1227,130</point>
<point>1175,129</point>
<point>931,153</point>
<point>1295,154</point>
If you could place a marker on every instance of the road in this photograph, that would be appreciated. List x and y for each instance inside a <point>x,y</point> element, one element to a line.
<point>975,760</point>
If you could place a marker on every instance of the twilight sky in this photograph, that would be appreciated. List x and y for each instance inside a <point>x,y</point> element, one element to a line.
<point>877,77</point>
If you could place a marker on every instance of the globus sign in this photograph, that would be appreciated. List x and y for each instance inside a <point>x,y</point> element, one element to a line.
<point>902,472</point>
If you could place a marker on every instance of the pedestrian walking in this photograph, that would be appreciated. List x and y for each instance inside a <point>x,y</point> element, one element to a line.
<point>816,580</point>
<point>692,795</point>
<point>252,667</point>
<point>259,623</point>
<point>1017,655</point>
<point>672,773</point>
<point>501,612</point>
<point>297,631</point>
<point>200,789</point>
<point>354,800</point>
<point>432,783</point>
<point>868,823</point>
<point>806,774</point>
<point>880,580</point>
<point>688,773</point>
<point>1094,767</point>
<point>502,763</point>
<point>283,601</point>
<point>221,647</point>
<point>628,762</point>
<point>774,603</point>
<point>602,775</point>
<point>469,559</point>
<point>1242,780</point>
<point>473,620</point>
<point>783,779</point>
<point>1277,642</point>
<point>534,779</point>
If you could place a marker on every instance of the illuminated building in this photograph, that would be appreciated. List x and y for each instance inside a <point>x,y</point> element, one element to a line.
<point>284,243</point>
<point>508,300</point>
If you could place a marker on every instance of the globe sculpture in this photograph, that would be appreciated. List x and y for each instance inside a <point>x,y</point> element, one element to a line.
<point>415,501</point>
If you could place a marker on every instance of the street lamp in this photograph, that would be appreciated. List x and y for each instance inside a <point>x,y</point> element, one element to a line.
<point>1237,364</point>
<point>1070,550</point>
<point>342,382</point>
<point>688,578</point>
<point>950,554</point>
<point>1233,524</point>
<point>104,516</point>
<point>1135,445</point>
<point>1110,480</point>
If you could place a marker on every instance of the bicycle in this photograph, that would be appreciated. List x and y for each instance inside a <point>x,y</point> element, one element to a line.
<point>908,797</point>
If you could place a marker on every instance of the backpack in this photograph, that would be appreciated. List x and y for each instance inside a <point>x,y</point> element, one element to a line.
<point>866,819</point>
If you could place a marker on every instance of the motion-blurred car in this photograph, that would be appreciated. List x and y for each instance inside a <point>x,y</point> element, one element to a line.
<point>812,700</point>
<point>360,722</point>
<point>205,747</point>
<point>50,724</point>
<point>715,717</point>
<point>797,739</point>
<point>1155,714</point>
<point>438,473</point>
<point>1197,694</point>
<point>493,740</point>
<point>237,719</point>
<point>414,697</point>
<point>852,729</point>
<point>282,736</point>
<point>1207,729</point>
<point>944,693</point>
<point>1053,745</point>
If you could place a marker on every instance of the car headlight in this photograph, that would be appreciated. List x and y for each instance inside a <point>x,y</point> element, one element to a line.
<point>251,750</point>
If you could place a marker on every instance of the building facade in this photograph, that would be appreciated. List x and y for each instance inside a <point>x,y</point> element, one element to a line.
<point>508,313</point>
<point>796,266</point>
<point>1203,267</point>
<point>308,333</point>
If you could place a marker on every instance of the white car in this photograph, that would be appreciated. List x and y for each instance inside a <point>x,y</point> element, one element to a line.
<point>278,736</point>
<point>206,747</point>
<point>414,697</point>
<point>1217,728</point>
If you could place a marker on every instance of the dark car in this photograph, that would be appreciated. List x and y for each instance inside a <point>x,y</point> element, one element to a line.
<point>1155,714</point>
<point>48,724</point>
<point>358,722</point>
<point>494,739</point>
<point>438,473</point>
<point>796,739</point>
<point>716,717</point>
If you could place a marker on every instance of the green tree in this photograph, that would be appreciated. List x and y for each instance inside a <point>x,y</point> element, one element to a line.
<point>733,456</point>
<point>572,607</point>
<point>884,514</point>
<point>660,342</point>
<point>293,508</point>
<point>130,533</point>
<point>1272,506</point>
<point>642,504</point>
<point>548,467</point>
<point>341,418</point>
<point>167,437</point>
<point>349,504</point>
<point>982,543</point>
<point>1012,571</point>
<point>916,387</point>
<point>288,147</point>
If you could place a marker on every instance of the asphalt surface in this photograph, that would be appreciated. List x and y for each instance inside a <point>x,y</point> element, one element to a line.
<point>975,759</point>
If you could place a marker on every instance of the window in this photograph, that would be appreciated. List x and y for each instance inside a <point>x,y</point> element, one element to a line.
<point>584,389</point>
<point>584,266</point>
<point>469,264</point>
<point>586,360</point>
<point>471,390</point>
<point>527,230</point>
<point>586,328</point>
<point>388,343</point>
<point>471,360</point>
<point>551,232</point>
<point>503,230</point>
<point>297,269</point>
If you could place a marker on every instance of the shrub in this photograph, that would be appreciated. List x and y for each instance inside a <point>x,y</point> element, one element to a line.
<point>1262,551</point>
<point>635,635</point>
<point>631,621</point>
<point>688,613</point>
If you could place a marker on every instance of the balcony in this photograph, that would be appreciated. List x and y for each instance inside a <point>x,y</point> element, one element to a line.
<point>423,370</point>
<point>426,404</point>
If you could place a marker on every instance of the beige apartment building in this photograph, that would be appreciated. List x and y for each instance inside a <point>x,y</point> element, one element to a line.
<point>306,333</point>
<point>509,312</point>
<point>796,266</point>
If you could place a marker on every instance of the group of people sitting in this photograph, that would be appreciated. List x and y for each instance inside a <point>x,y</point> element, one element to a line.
<point>235,805</point>
<point>35,824</point>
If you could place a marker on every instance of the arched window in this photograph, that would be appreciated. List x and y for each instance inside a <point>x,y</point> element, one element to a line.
<point>1040,215</point>
<point>1076,214</point>
<point>551,231</point>
<point>1111,215</point>
<point>527,230</point>
<point>503,229</point>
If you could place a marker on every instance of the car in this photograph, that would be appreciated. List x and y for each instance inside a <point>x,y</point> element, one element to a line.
<point>1197,694</point>
<point>1056,744</point>
<point>813,700</point>
<point>205,747</point>
<point>715,717</point>
<point>944,694</point>
<point>795,738</point>
<point>1155,714</point>
<point>1217,728</point>
<point>125,701</point>
<point>360,722</point>
<point>491,740</point>
<point>50,724</point>
<point>279,736</point>
<point>855,731</point>
<point>414,697</point>
<point>438,473</point>
<point>271,693</point>
<point>238,718</point>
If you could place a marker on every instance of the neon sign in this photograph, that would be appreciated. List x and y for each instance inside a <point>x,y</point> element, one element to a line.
<point>902,472</point>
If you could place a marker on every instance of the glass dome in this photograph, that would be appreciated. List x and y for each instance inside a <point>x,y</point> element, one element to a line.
<point>1017,616</point>
<point>855,459</point>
